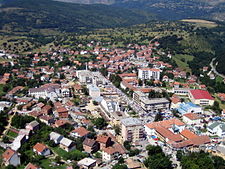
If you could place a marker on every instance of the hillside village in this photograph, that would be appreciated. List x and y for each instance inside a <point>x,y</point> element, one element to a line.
<point>105,107</point>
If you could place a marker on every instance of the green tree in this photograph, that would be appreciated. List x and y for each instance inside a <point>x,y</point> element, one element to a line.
<point>100,123</point>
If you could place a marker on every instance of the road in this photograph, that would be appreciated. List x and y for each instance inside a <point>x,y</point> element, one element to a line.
<point>214,69</point>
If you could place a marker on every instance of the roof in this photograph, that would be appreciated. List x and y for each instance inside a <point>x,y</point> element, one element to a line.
<point>199,140</point>
<point>86,162</point>
<point>66,142</point>
<point>54,135</point>
<point>192,116</point>
<point>168,134</point>
<point>39,147</point>
<point>81,131</point>
<point>102,139</point>
<point>31,166</point>
<point>188,134</point>
<point>110,150</point>
<point>166,123</point>
<point>150,69</point>
<point>201,94</point>
<point>214,125</point>
<point>131,122</point>
<point>8,154</point>
<point>89,142</point>
<point>33,124</point>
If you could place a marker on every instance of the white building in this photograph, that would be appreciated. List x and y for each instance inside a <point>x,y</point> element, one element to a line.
<point>149,73</point>
<point>87,163</point>
<point>191,118</point>
<point>217,128</point>
<point>4,104</point>
<point>109,105</point>
<point>109,154</point>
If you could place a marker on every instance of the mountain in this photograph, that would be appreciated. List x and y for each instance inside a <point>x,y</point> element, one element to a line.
<point>170,9</point>
<point>26,15</point>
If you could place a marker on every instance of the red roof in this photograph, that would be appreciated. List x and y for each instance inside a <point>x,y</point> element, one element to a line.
<point>201,94</point>
<point>8,154</point>
<point>40,147</point>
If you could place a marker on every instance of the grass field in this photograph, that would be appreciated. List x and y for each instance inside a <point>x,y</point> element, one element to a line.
<point>182,60</point>
<point>12,134</point>
<point>201,22</point>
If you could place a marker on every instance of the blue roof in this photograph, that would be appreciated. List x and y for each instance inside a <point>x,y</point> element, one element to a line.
<point>185,107</point>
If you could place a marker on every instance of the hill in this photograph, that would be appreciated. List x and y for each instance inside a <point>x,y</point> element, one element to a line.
<point>26,15</point>
<point>170,9</point>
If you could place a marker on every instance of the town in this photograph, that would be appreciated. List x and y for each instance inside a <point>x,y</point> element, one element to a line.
<point>106,107</point>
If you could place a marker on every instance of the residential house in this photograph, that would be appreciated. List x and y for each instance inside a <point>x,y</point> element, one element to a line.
<point>90,145</point>
<point>55,137</point>
<point>110,154</point>
<point>11,157</point>
<point>67,144</point>
<point>80,132</point>
<point>33,126</point>
<point>149,73</point>
<point>41,149</point>
<point>87,163</point>
<point>189,108</point>
<point>217,128</point>
<point>31,166</point>
<point>104,141</point>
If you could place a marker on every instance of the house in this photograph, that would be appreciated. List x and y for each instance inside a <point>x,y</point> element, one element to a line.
<point>104,141</point>
<point>90,145</point>
<point>31,166</point>
<point>109,154</point>
<point>67,144</point>
<point>41,149</point>
<point>201,97</point>
<point>47,119</point>
<point>217,128</point>
<point>80,132</point>
<point>11,157</point>
<point>55,137</point>
<point>18,141</point>
<point>33,126</point>
<point>191,118</point>
<point>87,163</point>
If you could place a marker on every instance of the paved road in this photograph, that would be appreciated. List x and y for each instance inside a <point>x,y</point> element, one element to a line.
<point>214,68</point>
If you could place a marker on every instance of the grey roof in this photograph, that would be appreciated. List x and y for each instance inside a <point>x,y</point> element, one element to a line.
<point>221,148</point>
<point>66,142</point>
<point>33,123</point>
<point>213,125</point>
<point>155,101</point>
<point>131,122</point>
<point>54,136</point>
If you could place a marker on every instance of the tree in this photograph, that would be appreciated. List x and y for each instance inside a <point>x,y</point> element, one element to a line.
<point>127,145</point>
<point>179,155</point>
<point>153,150</point>
<point>120,166</point>
<point>19,121</point>
<point>158,117</point>
<point>117,129</point>
<point>100,123</point>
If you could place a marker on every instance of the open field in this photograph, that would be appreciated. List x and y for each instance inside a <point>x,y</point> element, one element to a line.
<point>181,61</point>
<point>201,22</point>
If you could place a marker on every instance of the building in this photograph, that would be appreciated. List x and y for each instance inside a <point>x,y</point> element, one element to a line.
<point>41,149</point>
<point>80,132</point>
<point>165,130</point>
<point>217,128</point>
<point>94,91</point>
<point>191,118</point>
<point>132,129</point>
<point>33,126</point>
<point>55,137</point>
<point>189,108</point>
<point>11,157</point>
<point>109,154</point>
<point>110,105</point>
<point>181,91</point>
<point>90,145</point>
<point>87,163</point>
<point>31,166</point>
<point>67,144</point>
<point>104,141</point>
<point>201,97</point>
<point>155,104</point>
<point>149,73</point>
